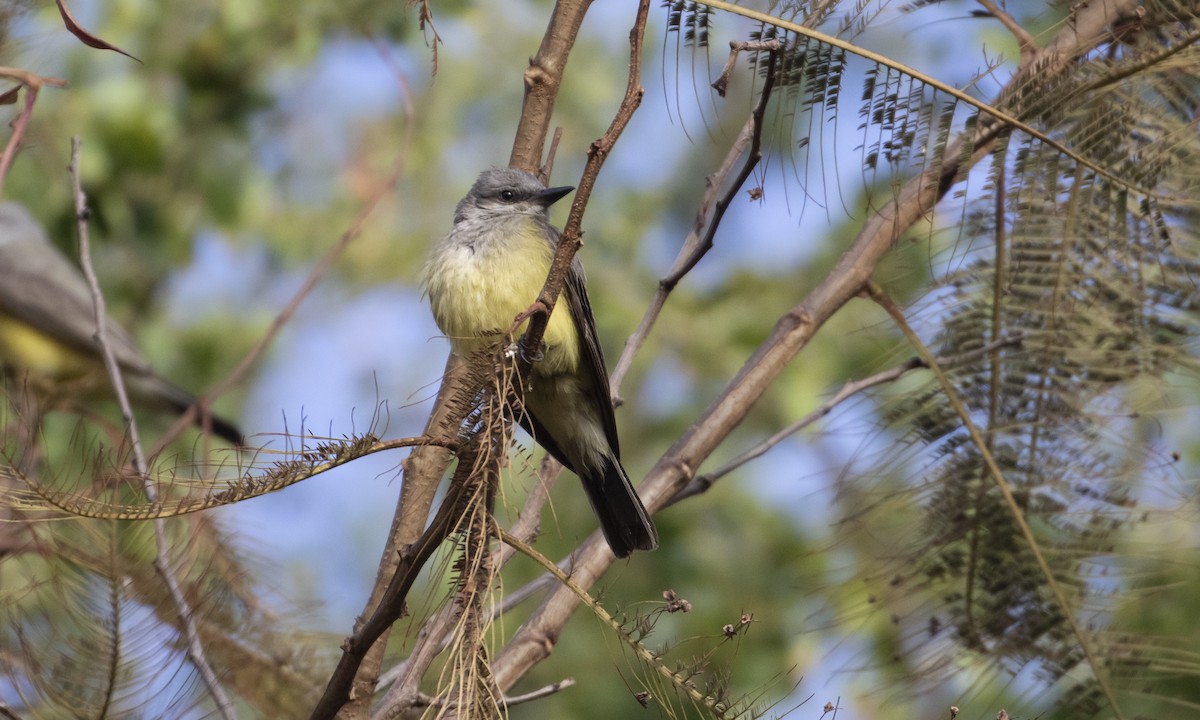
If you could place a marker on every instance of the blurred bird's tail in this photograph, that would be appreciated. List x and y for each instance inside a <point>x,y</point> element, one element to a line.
<point>154,390</point>
<point>223,429</point>
<point>623,518</point>
<point>215,424</point>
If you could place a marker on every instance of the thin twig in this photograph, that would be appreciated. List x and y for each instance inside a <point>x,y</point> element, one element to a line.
<point>702,483</point>
<point>736,47</point>
<point>33,83</point>
<point>708,219</point>
<point>1025,42</point>
<point>571,239</point>
<point>162,559</point>
<point>426,700</point>
<point>547,169</point>
<point>538,694</point>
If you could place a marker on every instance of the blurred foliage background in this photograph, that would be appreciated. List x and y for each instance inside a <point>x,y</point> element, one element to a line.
<point>241,147</point>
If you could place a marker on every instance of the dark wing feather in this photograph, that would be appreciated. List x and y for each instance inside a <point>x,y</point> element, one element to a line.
<point>538,431</point>
<point>592,359</point>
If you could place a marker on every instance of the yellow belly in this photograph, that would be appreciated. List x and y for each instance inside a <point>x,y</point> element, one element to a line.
<point>477,295</point>
<point>25,348</point>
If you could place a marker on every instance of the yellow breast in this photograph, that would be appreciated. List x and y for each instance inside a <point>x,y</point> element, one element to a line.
<point>477,292</point>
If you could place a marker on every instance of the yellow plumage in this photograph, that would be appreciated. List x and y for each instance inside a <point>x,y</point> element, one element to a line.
<point>477,291</point>
<point>23,346</point>
<point>489,270</point>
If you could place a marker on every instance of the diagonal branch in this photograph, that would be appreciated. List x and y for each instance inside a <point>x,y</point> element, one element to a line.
<point>702,483</point>
<point>708,216</point>
<point>162,557</point>
<point>571,239</point>
<point>33,83</point>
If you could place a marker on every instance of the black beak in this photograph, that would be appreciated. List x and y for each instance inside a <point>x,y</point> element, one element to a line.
<point>549,196</point>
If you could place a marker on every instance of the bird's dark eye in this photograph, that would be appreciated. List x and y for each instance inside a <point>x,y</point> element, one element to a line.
<point>508,195</point>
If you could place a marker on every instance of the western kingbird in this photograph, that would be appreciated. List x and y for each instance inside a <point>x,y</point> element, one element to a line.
<point>479,278</point>
<point>48,326</point>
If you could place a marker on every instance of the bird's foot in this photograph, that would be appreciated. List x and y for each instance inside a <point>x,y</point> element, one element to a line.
<point>537,308</point>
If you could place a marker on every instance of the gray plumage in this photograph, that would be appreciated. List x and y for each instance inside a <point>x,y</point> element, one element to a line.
<point>41,289</point>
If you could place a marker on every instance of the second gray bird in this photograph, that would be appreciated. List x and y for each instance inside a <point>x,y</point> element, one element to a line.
<point>48,326</point>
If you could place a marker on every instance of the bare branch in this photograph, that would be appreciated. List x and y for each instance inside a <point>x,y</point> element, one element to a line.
<point>701,483</point>
<point>708,219</point>
<point>425,700</point>
<point>540,693</point>
<point>33,83</point>
<point>571,239</point>
<point>1025,42</point>
<point>736,47</point>
<point>547,169</point>
<point>542,80</point>
<point>162,558</point>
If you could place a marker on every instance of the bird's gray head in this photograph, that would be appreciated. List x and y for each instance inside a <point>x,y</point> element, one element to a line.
<point>501,192</point>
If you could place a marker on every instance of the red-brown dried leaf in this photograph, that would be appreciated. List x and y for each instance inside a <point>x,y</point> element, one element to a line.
<point>8,97</point>
<point>84,36</point>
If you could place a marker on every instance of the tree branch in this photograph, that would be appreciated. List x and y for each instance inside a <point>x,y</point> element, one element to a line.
<point>542,80</point>
<point>33,83</point>
<point>708,218</point>
<point>701,483</point>
<point>570,241</point>
<point>162,557</point>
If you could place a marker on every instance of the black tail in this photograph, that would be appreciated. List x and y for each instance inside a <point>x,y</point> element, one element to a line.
<point>623,518</point>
